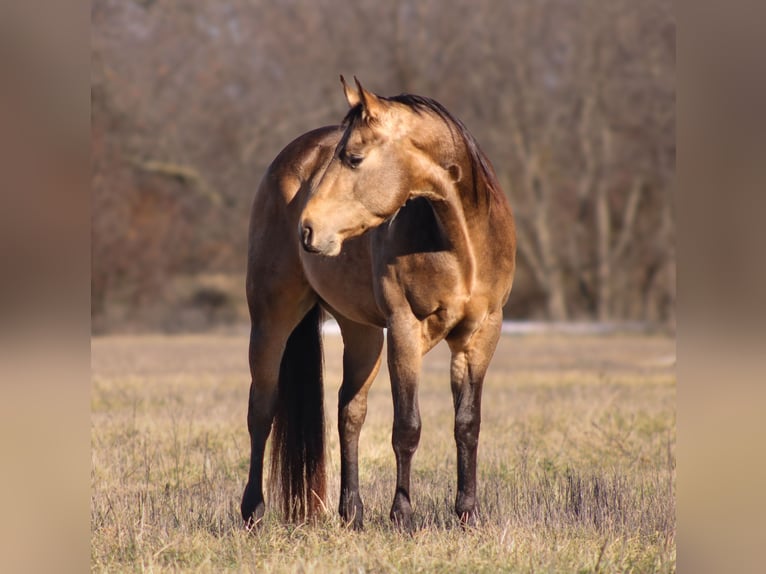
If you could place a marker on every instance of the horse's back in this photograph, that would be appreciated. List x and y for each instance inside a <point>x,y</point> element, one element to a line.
<point>273,250</point>
<point>300,162</point>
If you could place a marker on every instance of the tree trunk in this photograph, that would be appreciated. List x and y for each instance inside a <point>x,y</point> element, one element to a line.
<point>604,267</point>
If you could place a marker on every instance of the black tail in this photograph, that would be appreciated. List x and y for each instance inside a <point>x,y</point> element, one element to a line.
<point>297,449</point>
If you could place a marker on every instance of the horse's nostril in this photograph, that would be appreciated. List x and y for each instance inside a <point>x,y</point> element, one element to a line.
<point>307,232</point>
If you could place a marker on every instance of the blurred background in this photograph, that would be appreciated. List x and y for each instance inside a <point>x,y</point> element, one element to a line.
<point>572,100</point>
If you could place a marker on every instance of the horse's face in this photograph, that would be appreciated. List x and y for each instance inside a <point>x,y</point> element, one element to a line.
<point>367,180</point>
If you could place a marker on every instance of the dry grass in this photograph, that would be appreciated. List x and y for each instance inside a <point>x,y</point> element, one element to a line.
<point>576,463</point>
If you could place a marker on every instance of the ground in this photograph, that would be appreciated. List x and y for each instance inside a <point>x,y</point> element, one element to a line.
<point>576,462</point>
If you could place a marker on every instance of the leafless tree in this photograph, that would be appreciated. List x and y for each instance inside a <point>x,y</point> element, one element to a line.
<point>573,101</point>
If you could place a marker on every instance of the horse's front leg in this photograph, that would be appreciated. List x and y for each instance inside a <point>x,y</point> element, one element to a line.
<point>404,360</point>
<point>470,358</point>
<point>362,351</point>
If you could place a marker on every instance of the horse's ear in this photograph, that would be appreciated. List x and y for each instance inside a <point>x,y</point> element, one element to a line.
<point>352,96</point>
<point>372,105</point>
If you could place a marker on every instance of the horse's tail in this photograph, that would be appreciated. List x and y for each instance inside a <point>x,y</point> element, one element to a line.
<point>297,481</point>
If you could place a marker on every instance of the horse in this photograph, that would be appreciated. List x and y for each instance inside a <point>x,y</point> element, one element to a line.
<point>392,220</point>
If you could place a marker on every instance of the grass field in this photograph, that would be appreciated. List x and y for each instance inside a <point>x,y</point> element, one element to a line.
<point>576,463</point>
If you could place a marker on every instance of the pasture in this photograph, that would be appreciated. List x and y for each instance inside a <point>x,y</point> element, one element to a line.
<point>576,462</point>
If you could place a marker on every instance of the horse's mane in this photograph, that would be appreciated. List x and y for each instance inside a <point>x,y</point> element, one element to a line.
<point>484,180</point>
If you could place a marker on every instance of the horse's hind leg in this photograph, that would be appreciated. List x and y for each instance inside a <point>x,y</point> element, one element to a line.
<point>274,312</point>
<point>362,351</point>
<point>471,355</point>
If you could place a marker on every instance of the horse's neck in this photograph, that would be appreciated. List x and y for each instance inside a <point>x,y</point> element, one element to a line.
<point>449,208</point>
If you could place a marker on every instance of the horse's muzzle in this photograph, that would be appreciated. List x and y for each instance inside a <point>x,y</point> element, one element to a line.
<point>328,245</point>
<point>313,243</point>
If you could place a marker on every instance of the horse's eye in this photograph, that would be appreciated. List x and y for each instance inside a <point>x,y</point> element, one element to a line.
<point>353,161</point>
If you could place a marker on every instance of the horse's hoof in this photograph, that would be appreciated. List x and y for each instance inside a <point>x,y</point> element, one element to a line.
<point>466,511</point>
<point>403,522</point>
<point>351,511</point>
<point>467,519</point>
<point>253,517</point>
<point>252,525</point>
<point>354,524</point>
<point>355,520</point>
<point>401,515</point>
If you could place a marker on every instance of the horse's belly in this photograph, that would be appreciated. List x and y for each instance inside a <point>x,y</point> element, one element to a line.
<point>344,282</point>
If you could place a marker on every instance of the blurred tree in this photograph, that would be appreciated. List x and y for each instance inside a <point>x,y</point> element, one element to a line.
<point>574,102</point>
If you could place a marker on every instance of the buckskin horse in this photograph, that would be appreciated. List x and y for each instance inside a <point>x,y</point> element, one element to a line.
<point>393,220</point>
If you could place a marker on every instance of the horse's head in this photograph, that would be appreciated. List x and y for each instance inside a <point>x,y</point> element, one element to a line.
<point>371,175</point>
